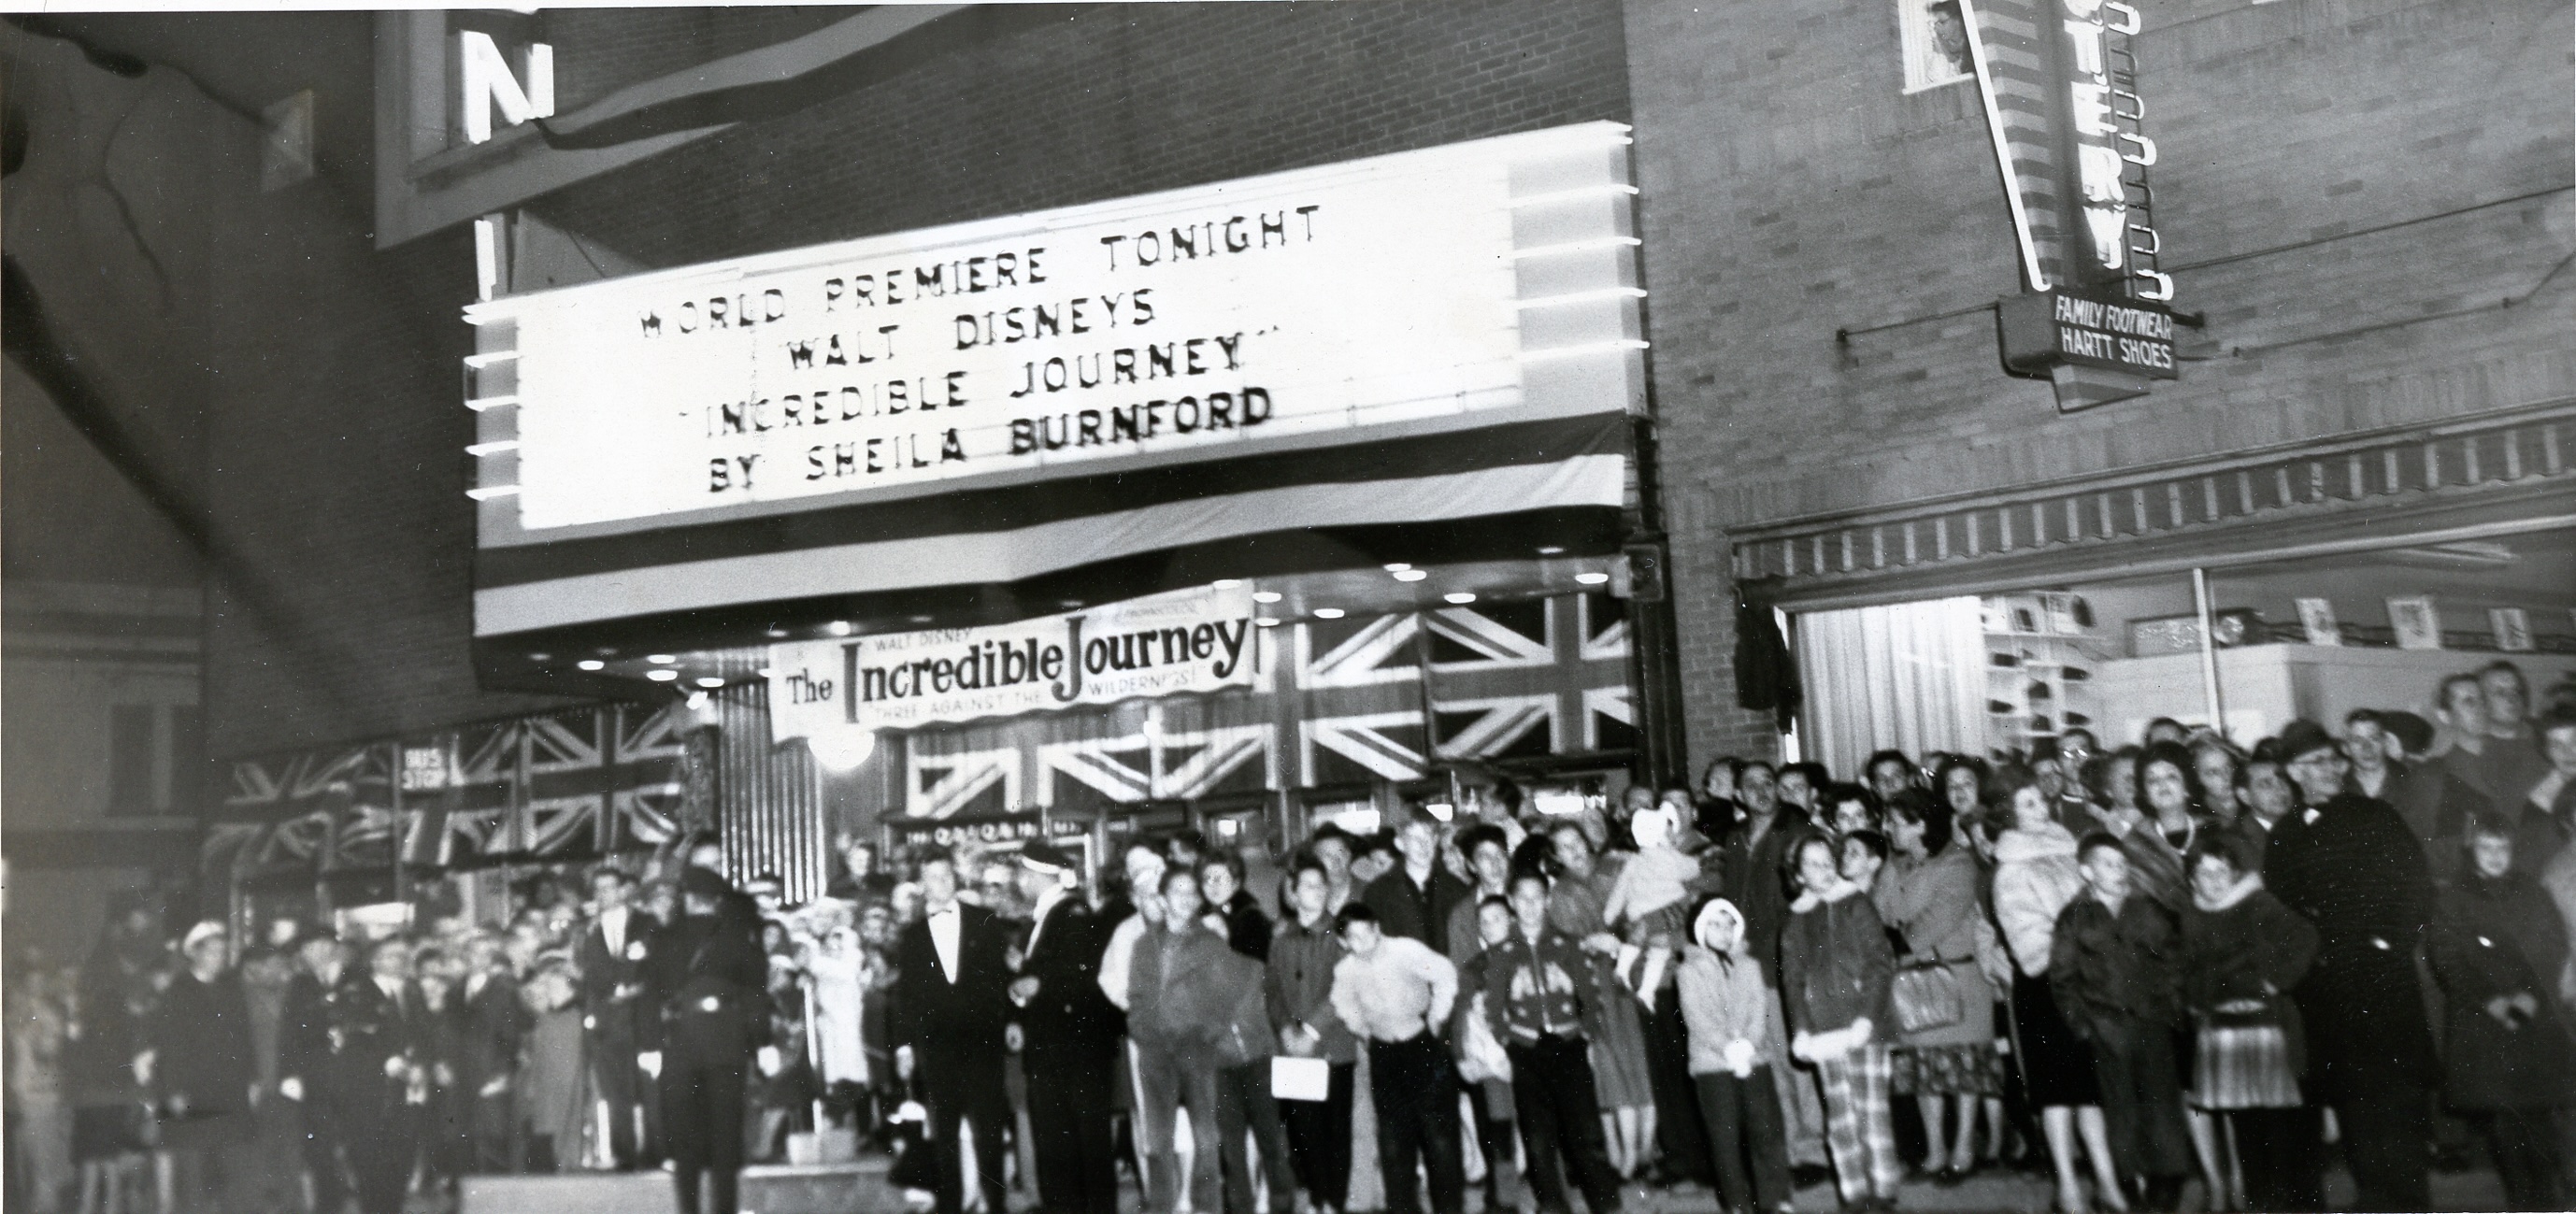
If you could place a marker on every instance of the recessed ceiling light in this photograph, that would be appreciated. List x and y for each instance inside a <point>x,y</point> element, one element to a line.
<point>921,619</point>
<point>1398,567</point>
<point>662,659</point>
<point>1328,613</point>
<point>1265,596</point>
<point>710,682</point>
<point>606,651</point>
<point>593,664</point>
<point>1265,621</point>
<point>1068,604</point>
<point>1594,578</point>
<point>1460,596</point>
<point>767,672</point>
<point>1410,575</point>
<point>539,657</point>
<point>662,676</point>
<point>838,628</point>
<point>1551,550</point>
<point>1226,583</point>
<point>777,634</point>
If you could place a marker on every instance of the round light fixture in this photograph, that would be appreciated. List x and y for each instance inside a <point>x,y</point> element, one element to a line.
<point>592,664</point>
<point>1265,621</point>
<point>710,682</point>
<point>540,657</point>
<point>1397,567</point>
<point>1265,596</point>
<point>842,749</point>
<point>1226,583</point>
<point>1551,550</point>
<point>838,628</point>
<point>777,634</point>
<point>1328,613</point>
<point>662,676</point>
<point>662,659</point>
<point>1410,575</point>
<point>767,672</point>
<point>1460,596</point>
<point>1594,578</point>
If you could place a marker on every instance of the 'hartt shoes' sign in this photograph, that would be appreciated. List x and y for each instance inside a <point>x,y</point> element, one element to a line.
<point>1187,641</point>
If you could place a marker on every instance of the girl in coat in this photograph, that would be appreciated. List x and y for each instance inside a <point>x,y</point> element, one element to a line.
<point>1836,971</point>
<point>1733,1019</point>
<point>2035,877</point>
<point>2242,952</point>
<point>2507,1061</point>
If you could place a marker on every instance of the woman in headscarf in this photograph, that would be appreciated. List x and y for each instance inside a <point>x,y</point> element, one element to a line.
<point>1625,1090</point>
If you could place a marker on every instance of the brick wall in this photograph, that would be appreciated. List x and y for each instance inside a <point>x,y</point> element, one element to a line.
<point>1114,100</point>
<point>1790,189</point>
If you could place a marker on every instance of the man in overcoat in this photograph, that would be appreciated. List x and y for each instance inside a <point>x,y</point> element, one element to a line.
<point>706,1019</point>
<point>2351,866</point>
<point>1068,1035</point>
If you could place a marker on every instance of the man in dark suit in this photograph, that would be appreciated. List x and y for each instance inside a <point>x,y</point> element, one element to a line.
<point>2349,864</point>
<point>307,1062</point>
<point>951,1005</point>
<point>1414,899</point>
<point>382,1088</point>
<point>487,1058</point>
<point>1068,1033</point>
<point>705,1019</point>
<point>613,949</point>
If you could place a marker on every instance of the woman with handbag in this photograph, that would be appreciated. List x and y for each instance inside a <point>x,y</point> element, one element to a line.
<point>2242,951</point>
<point>1944,1005</point>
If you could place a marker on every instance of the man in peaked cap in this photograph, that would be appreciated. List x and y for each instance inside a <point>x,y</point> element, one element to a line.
<point>2350,865</point>
<point>1068,1034</point>
<point>706,1017</point>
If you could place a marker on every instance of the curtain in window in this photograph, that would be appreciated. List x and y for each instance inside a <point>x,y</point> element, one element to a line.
<point>1910,676</point>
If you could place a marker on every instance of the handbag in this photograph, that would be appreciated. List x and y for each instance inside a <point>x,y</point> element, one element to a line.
<point>1928,997</point>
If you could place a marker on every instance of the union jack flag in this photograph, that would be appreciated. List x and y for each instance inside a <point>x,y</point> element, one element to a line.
<point>1334,702</point>
<point>581,782</point>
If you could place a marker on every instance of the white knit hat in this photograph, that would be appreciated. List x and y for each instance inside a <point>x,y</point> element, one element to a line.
<point>203,929</point>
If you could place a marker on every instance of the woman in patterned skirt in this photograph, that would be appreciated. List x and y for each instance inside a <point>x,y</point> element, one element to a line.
<point>2242,950</point>
<point>1928,893</point>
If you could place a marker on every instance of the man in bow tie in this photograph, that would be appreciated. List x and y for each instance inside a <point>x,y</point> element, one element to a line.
<point>951,1006</point>
<point>613,950</point>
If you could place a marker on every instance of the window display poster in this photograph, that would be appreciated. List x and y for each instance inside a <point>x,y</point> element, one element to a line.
<point>2418,624</point>
<point>2317,619</point>
<point>2512,629</point>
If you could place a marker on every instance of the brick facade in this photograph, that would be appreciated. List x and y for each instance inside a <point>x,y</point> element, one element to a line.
<point>1110,101</point>
<point>2386,170</point>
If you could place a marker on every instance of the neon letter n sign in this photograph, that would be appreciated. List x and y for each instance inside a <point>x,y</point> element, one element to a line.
<point>488,82</point>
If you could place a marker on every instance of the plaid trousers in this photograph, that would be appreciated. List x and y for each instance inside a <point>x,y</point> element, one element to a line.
<point>1857,1125</point>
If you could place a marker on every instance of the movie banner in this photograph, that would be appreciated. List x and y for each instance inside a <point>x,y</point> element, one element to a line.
<point>1196,640</point>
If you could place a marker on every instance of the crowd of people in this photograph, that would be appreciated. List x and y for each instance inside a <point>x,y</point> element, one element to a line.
<point>2129,969</point>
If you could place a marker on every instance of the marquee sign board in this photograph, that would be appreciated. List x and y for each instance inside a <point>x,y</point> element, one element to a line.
<point>1197,640</point>
<point>1186,323</point>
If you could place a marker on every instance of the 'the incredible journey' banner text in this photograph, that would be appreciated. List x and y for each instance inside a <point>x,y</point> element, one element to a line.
<point>1186,641</point>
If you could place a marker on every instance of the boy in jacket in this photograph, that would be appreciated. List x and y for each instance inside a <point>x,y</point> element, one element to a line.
<point>2111,968</point>
<point>1538,998</point>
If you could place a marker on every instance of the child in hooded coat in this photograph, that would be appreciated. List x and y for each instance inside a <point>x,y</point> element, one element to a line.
<point>1733,1024</point>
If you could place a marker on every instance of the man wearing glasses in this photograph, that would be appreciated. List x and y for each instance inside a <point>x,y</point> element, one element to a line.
<point>2350,864</point>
